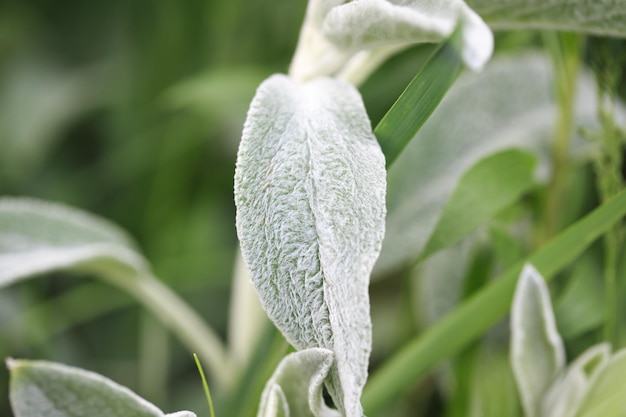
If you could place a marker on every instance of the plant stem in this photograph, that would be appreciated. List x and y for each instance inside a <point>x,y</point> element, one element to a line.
<point>565,51</point>
<point>181,319</point>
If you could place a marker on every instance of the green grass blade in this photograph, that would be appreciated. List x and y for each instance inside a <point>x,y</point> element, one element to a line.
<point>472,318</point>
<point>421,97</point>
<point>205,386</point>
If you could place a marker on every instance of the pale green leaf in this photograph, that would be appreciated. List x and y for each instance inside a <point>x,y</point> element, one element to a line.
<point>296,387</point>
<point>369,24</point>
<point>310,196</point>
<point>607,395</point>
<point>46,389</point>
<point>508,105</point>
<point>600,17</point>
<point>566,394</point>
<point>537,352</point>
<point>485,189</point>
<point>37,237</point>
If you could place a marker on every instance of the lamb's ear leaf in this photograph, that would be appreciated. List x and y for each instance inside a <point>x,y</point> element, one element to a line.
<point>599,17</point>
<point>368,24</point>
<point>566,394</point>
<point>537,352</point>
<point>38,236</point>
<point>607,395</point>
<point>310,195</point>
<point>45,389</point>
<point>296,387</point>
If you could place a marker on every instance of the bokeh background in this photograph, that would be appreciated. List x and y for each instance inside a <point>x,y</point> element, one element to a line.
<point>132,110</point>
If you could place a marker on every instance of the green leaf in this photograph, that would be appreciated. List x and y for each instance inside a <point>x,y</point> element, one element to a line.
<point>477,314</point>
<point>607,395</point>
<point>565,396</point>
<point>296,387</point>
<point>310,197</point>
<point>418,101</point>
<point>537,351</point>
<point>508,105</point>
<point>484,190</point>
<point>46,389</point>
<point>599,17</point>
<point>37,237</point>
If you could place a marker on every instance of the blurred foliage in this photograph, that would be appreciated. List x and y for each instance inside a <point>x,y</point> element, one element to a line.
<point>132,110</point>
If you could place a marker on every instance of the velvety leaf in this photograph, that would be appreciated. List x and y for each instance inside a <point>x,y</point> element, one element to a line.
<point>607,395</point>
<point>537,352</point>
<point>566,394</point>
<point>368,24</point>
<point>37,237</point>
<point>600,17</point>
<point>46,389</point>
<point>296,387</point>
<point>310,190</point>
<point>485,189</point>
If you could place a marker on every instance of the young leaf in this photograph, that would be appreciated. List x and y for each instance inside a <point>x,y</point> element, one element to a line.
<point>566,394</point>
<point>485,189</point>
<point>537,352</point>
<point>607,395</point>
<point>310,196</point>
<point>600,17</point>
<point>46,389</point>
<point>295,388</point>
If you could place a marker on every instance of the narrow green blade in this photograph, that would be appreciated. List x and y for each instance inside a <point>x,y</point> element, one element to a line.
<point>472,318</point>
<point>421,97</point>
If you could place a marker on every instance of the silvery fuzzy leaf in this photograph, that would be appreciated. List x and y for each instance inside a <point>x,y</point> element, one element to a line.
<point>566,394</point>
<point>310,196</point>
<point>599,17</point>
<point>46,389</point>
<point>341,37</point>
<point>537,352</point>
<point>295,388</point>
<point>367,24</point>
<point>606,396</point>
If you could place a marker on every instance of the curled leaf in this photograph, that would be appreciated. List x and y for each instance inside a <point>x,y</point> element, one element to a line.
<point>295,388</point>
<point>310,196</point>
<point>537,352</point>
<point>339,37</point>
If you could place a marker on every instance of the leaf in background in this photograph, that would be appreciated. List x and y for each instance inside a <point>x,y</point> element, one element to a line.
<point>537,352</point>
<point>565,396</point>
<point>508,105</point>
<point>46,389</point>
<point>607,395</point>
<point>600,17</point>
<point>37,237</point>
<point>296,387</point>
<point>310,196</point>
<point>484,190</point>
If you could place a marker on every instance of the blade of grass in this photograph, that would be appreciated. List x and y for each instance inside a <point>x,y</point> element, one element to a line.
<point>473,317</point>
<point>205,386</point>
<point>421,97</point>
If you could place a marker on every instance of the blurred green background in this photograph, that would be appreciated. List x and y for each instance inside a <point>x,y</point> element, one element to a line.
<point>132,110</point>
